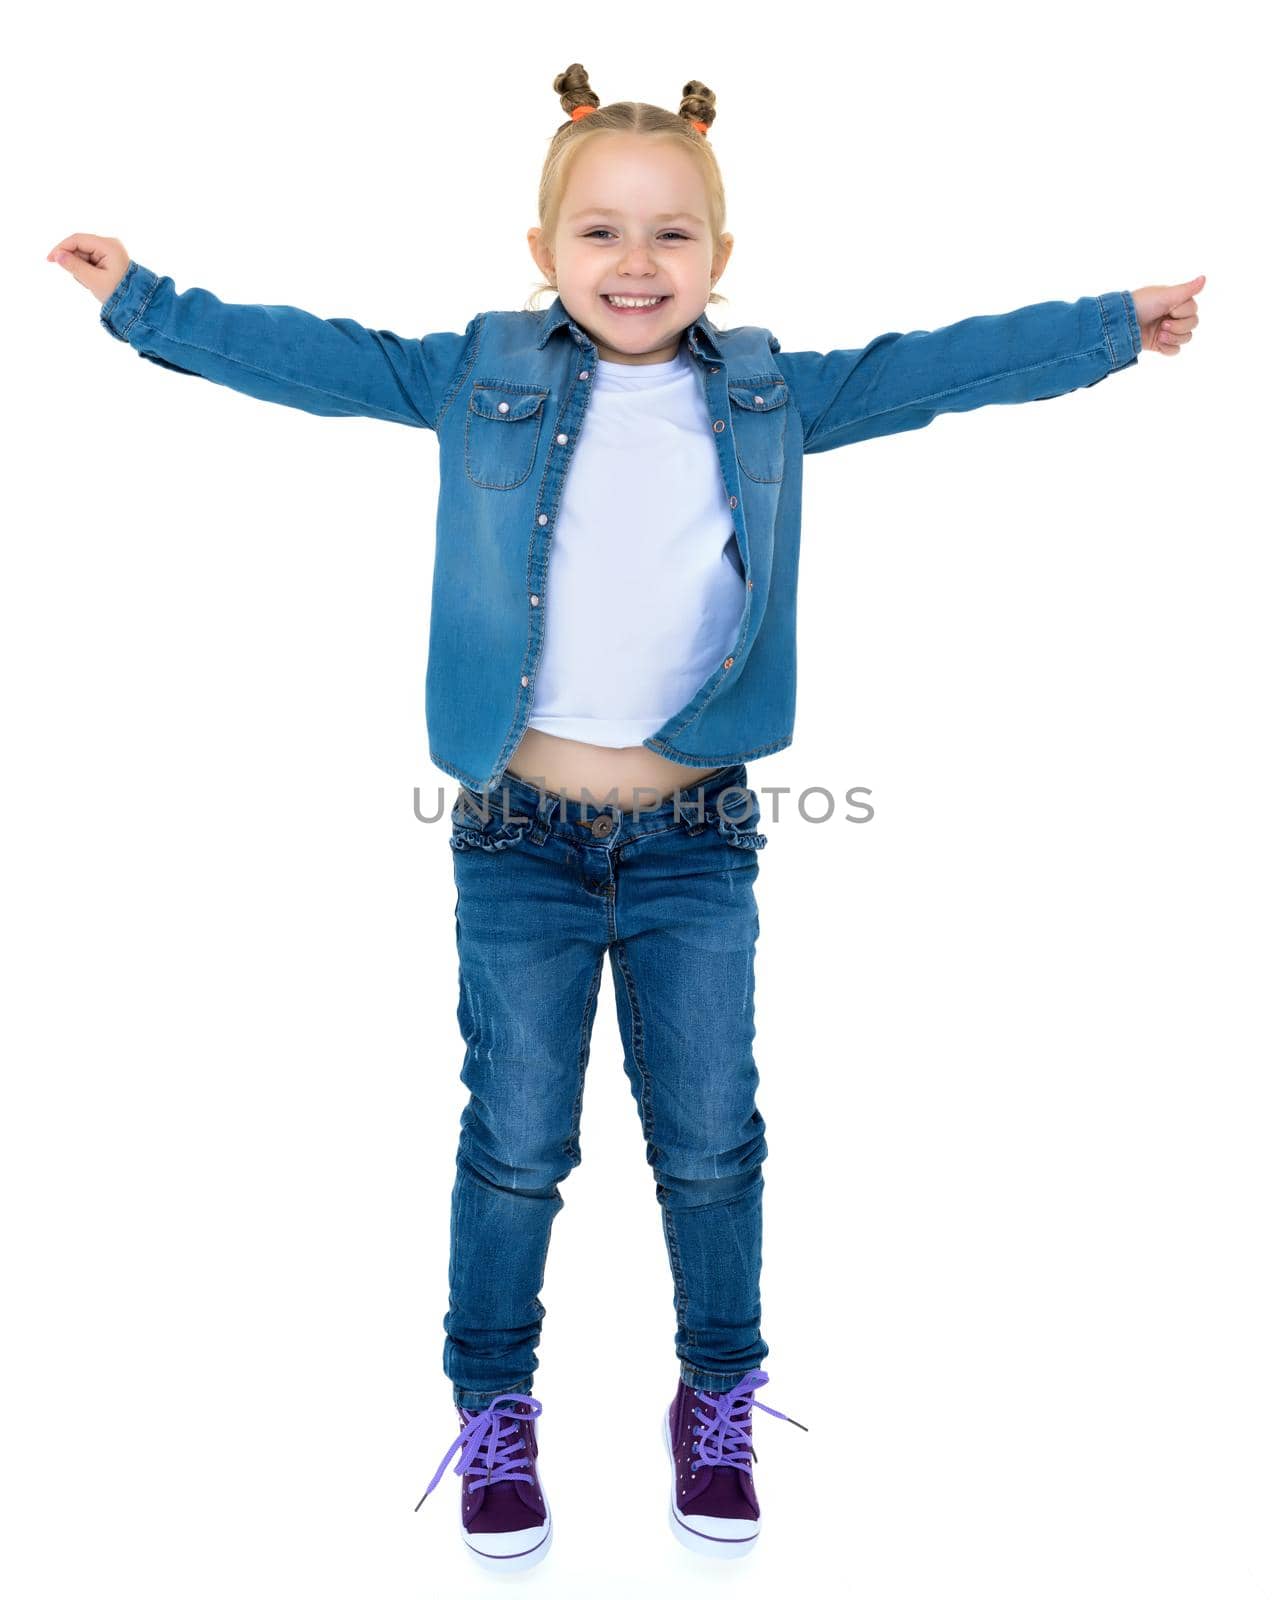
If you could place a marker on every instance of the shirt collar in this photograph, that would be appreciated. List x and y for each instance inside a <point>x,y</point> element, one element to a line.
<point>702,338</point>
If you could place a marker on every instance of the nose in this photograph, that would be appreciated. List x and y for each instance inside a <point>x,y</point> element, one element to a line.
<point>638,262</point>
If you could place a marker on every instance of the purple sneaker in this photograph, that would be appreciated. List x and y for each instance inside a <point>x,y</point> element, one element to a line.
<point>713,1506</point>
<point>505,1520</point>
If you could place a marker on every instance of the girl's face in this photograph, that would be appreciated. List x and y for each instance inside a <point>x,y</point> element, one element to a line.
<point>633,222</point>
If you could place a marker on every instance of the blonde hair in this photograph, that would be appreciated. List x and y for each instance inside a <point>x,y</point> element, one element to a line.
<point>697,104</point>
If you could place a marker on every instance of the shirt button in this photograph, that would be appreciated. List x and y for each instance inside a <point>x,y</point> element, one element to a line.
<point>750,583</point>
<point>503,406</point>
<point>542,520</point>
<point>759,399</point>
<point>733,500</point>
<point>715,369</point>
<point>728,662</point>
<point>533,599</point>
<point>562,438</point>
<point>584,374</point>
<point>717,427</point>
<point>524,683</point>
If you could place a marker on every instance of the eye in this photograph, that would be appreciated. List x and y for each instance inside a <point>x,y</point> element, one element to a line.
<point>669,234</point>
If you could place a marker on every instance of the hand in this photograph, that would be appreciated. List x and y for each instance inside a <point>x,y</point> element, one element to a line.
<point>97,263</point>
<point>1166,316</point>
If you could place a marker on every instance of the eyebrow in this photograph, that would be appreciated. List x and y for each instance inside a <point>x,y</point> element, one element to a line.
<point>664,216</point>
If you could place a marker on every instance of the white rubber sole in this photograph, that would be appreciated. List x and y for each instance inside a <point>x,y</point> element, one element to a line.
<point>723,1538</point>
<point>508,1552</point>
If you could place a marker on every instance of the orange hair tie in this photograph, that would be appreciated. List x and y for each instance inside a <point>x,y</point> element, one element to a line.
<point>579,112</point>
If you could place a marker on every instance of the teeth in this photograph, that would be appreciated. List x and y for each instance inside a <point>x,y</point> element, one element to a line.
<point>633,300</point>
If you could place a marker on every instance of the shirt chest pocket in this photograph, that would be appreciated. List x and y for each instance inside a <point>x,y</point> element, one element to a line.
<point>759,418</point>
<point>501,443</point>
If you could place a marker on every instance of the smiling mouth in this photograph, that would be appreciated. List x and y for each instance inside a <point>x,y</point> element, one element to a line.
<point>635,311</point>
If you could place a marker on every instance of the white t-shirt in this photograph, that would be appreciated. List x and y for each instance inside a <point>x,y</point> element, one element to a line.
<point>644,587</point>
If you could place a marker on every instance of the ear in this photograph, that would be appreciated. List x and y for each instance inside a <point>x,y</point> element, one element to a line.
<point>721,259</point>
<point>542,258</point>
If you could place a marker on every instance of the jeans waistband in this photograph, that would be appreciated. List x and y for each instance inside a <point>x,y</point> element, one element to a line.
<point>696,803</point>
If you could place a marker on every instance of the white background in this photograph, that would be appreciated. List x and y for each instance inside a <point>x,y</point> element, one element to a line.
<point>1016,1035</point>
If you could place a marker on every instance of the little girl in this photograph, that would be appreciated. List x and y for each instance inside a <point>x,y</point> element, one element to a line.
<point>612,637</point>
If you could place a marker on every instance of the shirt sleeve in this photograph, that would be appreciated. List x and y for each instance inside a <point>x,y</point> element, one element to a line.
<point>902,381</point>
<point>332,367</point>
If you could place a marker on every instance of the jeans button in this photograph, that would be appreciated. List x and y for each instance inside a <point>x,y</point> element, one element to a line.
<point>602,825</point>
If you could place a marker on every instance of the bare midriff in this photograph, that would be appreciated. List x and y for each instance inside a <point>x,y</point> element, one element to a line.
<point>640,777</point>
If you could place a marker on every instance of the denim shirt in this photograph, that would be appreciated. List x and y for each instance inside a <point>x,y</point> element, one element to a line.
<point>506,399</point>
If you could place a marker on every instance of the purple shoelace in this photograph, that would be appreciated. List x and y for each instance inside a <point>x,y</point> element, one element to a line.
<point>502,1461</point>
<point>723,1440</point>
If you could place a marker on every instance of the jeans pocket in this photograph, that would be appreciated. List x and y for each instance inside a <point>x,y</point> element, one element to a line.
<point>737,817</point>
<point>477,822</point>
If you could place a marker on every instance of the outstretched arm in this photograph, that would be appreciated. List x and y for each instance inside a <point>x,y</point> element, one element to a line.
<point>332,367</point>
<point>902,381</point>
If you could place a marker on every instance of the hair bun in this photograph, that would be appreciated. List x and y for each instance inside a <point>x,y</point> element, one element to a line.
<point>574,89</point>
<point>697,105</point>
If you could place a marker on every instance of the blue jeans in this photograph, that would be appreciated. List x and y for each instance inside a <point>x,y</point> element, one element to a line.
<point>546,885</point>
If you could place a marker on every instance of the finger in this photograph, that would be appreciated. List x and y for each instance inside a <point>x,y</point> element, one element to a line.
<point>88,246</point>
<point>1180,324</point>
<point>82,263</point>
<point>1184,308</point>
<point>1171,339</point>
